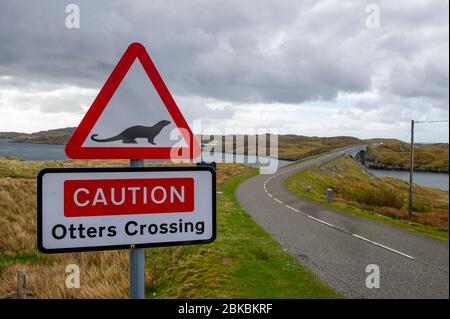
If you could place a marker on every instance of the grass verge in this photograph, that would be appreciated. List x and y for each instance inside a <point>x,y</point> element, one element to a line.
<point>379,199</point>
<point>243,262</point>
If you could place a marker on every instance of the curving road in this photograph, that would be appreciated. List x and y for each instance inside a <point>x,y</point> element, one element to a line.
<point>338,247</point>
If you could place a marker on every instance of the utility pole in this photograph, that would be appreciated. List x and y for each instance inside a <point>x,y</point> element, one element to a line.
<point>411,169</point>
<point>411,172</point>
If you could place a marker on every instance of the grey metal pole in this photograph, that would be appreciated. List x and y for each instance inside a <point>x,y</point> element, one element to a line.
<point>137,286</point>
<point>411,173</point>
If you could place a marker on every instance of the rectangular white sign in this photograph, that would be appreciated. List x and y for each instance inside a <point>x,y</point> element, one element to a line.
<point>114,208</point>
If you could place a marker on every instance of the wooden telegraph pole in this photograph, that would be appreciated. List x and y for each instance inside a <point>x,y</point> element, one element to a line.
<point>411,173</point>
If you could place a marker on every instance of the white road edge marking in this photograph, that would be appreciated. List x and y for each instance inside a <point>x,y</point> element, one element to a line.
<point>321,221</point>
<point>383,246</point>
<point>276,199</point>
<point>294,209</point>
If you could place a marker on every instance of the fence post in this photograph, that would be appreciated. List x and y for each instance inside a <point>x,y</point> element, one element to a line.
<point>21,284</point>
<point>329,195</point>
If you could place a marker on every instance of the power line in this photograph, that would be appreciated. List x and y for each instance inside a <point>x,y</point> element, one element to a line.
<point>431,121</point>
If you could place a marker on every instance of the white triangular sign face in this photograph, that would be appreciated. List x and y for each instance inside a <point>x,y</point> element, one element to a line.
<point>134,116</point>
<point>135,103</point>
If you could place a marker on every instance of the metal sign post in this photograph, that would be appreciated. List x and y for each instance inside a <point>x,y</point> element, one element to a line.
<point>137,260</point>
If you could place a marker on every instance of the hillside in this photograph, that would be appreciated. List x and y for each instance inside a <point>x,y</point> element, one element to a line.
<point>382,153</point>
<point>295,147</point>
<point>395,154</point>
<point>56,136</point>
<point>11,135</point>
<point>290,147</point>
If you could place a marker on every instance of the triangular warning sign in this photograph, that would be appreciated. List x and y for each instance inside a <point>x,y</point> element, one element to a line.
<point>133,117</point>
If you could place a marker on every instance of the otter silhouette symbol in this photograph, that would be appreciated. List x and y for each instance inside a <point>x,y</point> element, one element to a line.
<point>130,134</point>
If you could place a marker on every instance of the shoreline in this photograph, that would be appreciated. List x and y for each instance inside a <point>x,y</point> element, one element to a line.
<point>31,142</point>
<point>376,166</point>
<point>369,165</point>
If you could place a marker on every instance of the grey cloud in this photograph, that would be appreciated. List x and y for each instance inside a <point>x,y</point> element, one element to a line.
<point>222,49</point>
<point>198,108</point>
<point>394,110</point>
<point>431,80</point>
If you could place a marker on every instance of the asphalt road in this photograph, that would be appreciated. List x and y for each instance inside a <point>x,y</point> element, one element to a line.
<point>338,247</point>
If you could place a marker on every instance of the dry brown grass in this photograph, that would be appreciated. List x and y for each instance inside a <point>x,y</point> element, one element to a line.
<point>430,204</point>
<point>225,171</point>
<point>103,274</point>
<point>17,215</point>
<point>29,169</point>
<point>354,188</point>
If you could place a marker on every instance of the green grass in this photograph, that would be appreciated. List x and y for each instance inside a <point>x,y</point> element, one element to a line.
<point>22,258</point>
<point>377,199</point>
<point>243,262</point>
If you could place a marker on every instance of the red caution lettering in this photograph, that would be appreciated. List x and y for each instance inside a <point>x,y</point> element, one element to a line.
<point>128,196</point>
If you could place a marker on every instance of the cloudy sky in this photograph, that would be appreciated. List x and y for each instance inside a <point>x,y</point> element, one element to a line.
<point>320,68</point>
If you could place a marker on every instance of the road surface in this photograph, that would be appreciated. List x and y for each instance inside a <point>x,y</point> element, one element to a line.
<point>338,247</point>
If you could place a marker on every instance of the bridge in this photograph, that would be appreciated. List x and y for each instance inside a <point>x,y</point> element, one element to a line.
<point>361,150</point>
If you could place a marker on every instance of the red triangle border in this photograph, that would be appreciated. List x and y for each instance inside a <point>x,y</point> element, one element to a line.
<point>74,147</point>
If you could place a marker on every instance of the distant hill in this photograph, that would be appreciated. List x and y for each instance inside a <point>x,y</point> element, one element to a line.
<point>11,135</point>
<point>56,136</point>
<point>395,154</point>
<point>382,153</point>
<point>290,147</point>
<point>296,146</point>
